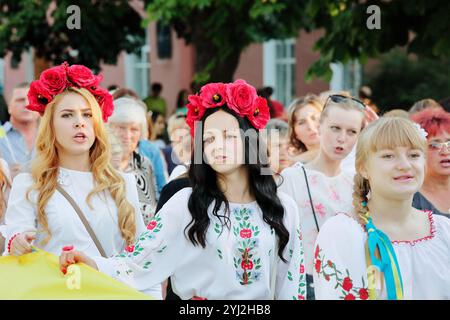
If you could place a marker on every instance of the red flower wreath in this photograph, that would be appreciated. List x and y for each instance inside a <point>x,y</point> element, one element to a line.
<point>239,96</point>
<point>55,80</point>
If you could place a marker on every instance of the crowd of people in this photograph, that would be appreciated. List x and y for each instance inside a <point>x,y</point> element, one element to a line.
<point>230,195</point>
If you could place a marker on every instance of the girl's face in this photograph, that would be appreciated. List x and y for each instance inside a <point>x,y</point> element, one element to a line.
<point>222,142</point>
<point>73,125</point>
<point>438,155</point>
<point>339,132</point>
<point>306,125</point>
<point>395,173</point>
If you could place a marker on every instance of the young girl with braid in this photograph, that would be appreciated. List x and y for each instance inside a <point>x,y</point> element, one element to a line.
<point>385,248</point>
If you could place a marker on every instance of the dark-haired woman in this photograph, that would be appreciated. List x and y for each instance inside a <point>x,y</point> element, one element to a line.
<point>230,236</point>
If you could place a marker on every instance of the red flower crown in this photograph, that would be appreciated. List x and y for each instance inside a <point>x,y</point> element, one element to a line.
<point>55,80</point>
<point>239,96</point>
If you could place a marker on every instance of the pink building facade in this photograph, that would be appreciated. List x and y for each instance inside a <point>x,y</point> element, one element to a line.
<point>279,64</point>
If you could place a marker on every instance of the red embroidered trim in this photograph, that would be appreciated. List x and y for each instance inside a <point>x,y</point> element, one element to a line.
<point>10,241</point>
<point>429,237</point>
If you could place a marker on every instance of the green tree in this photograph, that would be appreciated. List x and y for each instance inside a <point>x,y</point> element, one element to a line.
<point>221,29</point>
<point>420,26</point>
<point>107,28</point>
<point>399,80</point>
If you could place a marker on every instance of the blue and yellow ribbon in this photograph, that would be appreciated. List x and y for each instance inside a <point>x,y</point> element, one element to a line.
<point>379,244</point>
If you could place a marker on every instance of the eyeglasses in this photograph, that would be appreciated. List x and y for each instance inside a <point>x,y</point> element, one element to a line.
<point>338,98</point>
<point>434,146</point>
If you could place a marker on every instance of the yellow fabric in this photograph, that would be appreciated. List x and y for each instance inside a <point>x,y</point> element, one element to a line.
<point>37,276</point>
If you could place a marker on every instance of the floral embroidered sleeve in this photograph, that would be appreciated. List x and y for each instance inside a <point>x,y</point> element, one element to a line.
<point>291,277</point>
<point>339,261</point>
<point>157,252</point>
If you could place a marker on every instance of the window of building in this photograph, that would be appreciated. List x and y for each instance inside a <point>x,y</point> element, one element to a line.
<point>279,69</point>
<point>137,70</point>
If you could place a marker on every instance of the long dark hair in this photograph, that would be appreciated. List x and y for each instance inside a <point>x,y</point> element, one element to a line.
<point>205,190</point>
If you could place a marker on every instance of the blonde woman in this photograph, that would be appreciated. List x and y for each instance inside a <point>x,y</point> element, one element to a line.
<point>384,248</point>
<point>304,115</point>
<point>72,153</point>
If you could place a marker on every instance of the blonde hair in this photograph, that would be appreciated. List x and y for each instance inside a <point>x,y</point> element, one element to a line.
<point>397,113</point>
<point>384,133</point>
<point>176,121</point>
<point>5,184</point>
<point>297,104</point>
<point>45,167</point>
<point>349,105</point>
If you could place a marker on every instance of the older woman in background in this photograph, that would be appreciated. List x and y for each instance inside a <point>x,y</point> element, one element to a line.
<point>128,122</point>
<point>278,145</point>
<point>435,191</point>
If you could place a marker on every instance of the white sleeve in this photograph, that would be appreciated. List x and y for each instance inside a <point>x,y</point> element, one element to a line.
<point>291,277</point>
<point>133,198</point>
<point>339,260</point>
<point>20,214</point>
<point>157,252</point>
<point>290,180</point>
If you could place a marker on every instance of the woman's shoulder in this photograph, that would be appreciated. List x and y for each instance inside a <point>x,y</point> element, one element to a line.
<point>23,179</point>
<point>343,227</point>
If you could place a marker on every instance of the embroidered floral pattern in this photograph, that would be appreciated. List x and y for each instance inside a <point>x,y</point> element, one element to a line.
<point>153,227</point>
<point>246,262</point>
<point>327,269</point>
<point>302,278</point>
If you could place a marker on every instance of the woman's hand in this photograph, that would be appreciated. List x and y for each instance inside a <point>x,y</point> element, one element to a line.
<point>21,244</point>
<point>71,257</point>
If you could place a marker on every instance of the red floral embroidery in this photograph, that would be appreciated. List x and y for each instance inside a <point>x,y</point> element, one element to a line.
<point>129,249</point>
<point>247,265</point>
<point>302,268</point>
<point>317,252</point>
<point>151,225</point>
<point>318,265</point>
<point>347,284</point>
<point>300,297</point>
<point>246,233</point>
<point>349,297</point>
<point>363,294</point>
<point>329,271</point>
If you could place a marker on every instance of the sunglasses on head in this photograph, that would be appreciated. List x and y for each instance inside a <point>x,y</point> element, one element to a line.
<point>338,98</point>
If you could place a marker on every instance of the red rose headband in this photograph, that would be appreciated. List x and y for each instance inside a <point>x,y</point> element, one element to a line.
<point>239,96</point>
<point>55,80</point>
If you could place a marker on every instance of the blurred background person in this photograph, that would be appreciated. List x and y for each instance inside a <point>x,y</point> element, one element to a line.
<point>158,125</point>
<point>4,115</point>
<point>304,115</point>
<point>424,104</point>
<point>128,122</point>
<point>155,102</point>
<point>397,113</point>
<point>116,149</point>
<point>435,191</point>
<point>17,140</point>
<point>365,95</point>
<point>125,92</point>
<point>182,101</point>
<point>178,153</point>
<point>278,145</point>
<point>276,108</point>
